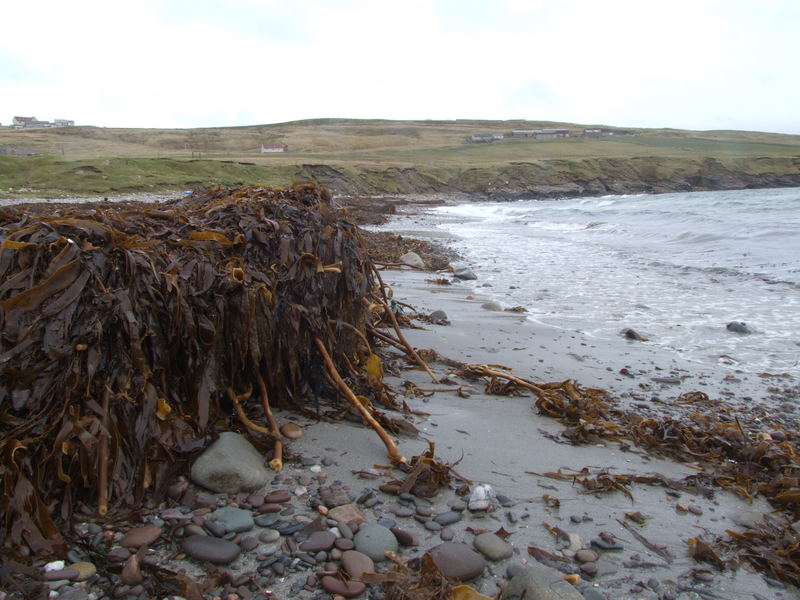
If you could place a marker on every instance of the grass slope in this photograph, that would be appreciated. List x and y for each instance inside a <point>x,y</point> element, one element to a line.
<point>371,156</point>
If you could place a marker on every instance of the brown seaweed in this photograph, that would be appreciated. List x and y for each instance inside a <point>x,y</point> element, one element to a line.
<point>131,334</point>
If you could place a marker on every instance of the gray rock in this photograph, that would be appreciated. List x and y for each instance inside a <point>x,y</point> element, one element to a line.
<point>492,306</point>
<point>632,334</point>
<point>412,259</point>
<point>233,519</point>
<point>465,273</point>
<point>374,540</point>
<point>481,498</point>
<point>538,582</point>
<point>457,561</point>
<point>447,518</point>
<point>738,327</point>
<point>493,546</point>
<point>214,550</point>
<point>230,465</point>
<point>439,317</point>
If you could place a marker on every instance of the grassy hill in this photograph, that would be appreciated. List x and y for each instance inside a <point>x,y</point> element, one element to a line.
<point>379,156</point>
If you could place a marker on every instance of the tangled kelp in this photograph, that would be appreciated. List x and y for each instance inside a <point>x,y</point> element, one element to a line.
<point>730,453</point>
<point>131,332</point>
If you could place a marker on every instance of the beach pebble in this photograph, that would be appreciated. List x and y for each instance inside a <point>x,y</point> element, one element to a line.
<point>458,560</point>
<point>344,544</point>
<point>357,563</point>
<point>349,514</point>
<point>291,431</point>
<point>232,519</point>
<point>140,536</point>
<point>738,327</point>
<point>481,498</point>
<point>492,306</point>
<point>492,546</point>
<point>375,540</point>
<point>214,550</point>
<point>346,589</point>
<point>447,518</point>
<point>455,504</point>
<point>404,538</point>
<point>230,465</point>
<point>465,273</point>
<point>412,259</point>
<point>132,571</point>
<point>439,317</point>
<point>277,497</point>
<point>586,556</point>
<point>85,570</point>
<point>632,334</point>
<point>539,582</point>
<point>319,540</point>
<point>606,545</point>
<point>61,574</point>
<point>269,536</point>
<point>447,534</point>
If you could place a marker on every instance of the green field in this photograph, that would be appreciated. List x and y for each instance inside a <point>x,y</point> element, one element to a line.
<point>375,156</point>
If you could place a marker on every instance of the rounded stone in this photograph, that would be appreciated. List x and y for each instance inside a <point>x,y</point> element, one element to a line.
<point>357,563</point>
<point>344,544</point>
<point>230,465</point>
<point>214,550</point>
<point>292,431</point>
<point>447,518</point>
<point>457,561</point>
<point>404,537</point>
<point>140,536</point>
<point>346,589</point>
<point>277,497</point>
<point>85,570</point>
<point>493,546</point>
<point>374,541</point>
<point>268,536</point>
<point>318,541</point>
<point>233,519</point>
<point>586,556</point>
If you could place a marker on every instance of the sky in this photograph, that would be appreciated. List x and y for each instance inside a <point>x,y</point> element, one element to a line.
<point>687,64</point>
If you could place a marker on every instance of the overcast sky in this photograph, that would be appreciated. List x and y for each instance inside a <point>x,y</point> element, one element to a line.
<point>696,64</point>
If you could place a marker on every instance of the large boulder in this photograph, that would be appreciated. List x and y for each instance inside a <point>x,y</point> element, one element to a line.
<point>230,465</point>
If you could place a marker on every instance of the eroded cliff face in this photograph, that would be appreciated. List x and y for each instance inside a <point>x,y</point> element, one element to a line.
<point>560,178</point>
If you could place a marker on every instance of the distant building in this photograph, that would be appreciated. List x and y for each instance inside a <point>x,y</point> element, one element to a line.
<point>541,134</point>
<point>3,151</point>
<point>602,131</point>
<point>23,152</point>
<point>485,137</point>
<point>20,122</point>
<point>34,123</point>
<point>267,148</point>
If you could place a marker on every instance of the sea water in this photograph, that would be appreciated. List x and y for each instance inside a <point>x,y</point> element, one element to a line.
<point>676,268</point>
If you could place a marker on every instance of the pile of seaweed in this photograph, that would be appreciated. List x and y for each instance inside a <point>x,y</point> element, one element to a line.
<point>132,333</point>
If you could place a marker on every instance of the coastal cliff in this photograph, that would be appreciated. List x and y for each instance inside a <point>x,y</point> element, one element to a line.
<point>561,178</point>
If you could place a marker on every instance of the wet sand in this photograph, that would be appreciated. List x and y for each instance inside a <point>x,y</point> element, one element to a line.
<point>502,440</point>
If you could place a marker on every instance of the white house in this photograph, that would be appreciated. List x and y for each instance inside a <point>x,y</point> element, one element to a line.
<point>265,148</point>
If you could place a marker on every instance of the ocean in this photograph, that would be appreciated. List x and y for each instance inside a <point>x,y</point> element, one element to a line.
<point>676,268</point>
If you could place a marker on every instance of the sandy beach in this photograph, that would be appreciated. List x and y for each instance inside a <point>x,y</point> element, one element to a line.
<point>501,441</point>
<point>632,543</point>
